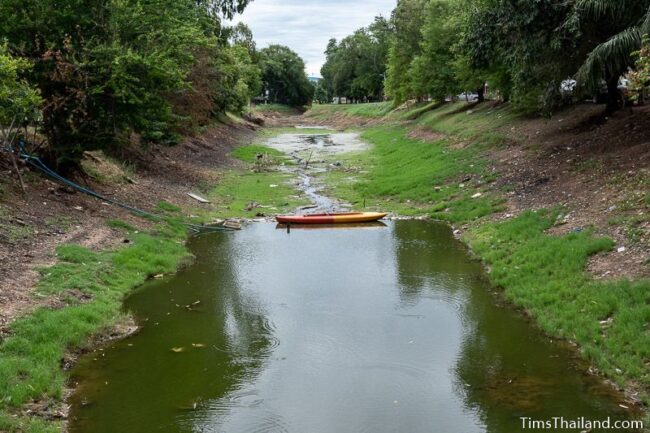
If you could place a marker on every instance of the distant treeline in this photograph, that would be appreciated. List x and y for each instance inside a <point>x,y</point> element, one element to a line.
<point>100,74</point>
<point>532,53</point>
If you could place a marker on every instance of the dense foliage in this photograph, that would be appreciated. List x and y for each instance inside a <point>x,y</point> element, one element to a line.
<point>640,78</point>
<point>356,66</point>
<point>18,102</point>
<point>522,50</point>
<point>284,77</point>
<point>17,98</point>
<point>112,72</point>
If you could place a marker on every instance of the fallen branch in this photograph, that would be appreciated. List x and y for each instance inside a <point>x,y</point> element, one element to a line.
<point>8,144</point>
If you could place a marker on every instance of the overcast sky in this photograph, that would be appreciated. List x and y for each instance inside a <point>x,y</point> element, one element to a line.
<point>305,26</point>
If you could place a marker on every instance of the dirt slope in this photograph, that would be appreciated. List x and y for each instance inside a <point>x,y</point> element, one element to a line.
<point>32,226</point>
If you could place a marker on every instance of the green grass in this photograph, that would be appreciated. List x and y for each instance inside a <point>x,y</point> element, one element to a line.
<point>267,133</point>
<point>410,177</point>
<point>470,122</point>
<point>458,119</point>
<point>279,108</point>
<point>545,275</point>
<point>167,208</point>
<point>249,153</point>
<point>22,424</point>
<point>118,224</point>
<point>270,190</point>
<point>30,357</point>
<point>373,109</point>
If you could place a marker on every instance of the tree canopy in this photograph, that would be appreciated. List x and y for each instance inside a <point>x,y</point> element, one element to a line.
<point>18,99</point>
<point>111,72</point>
<point>355,67</point>
<point>284,78</point>
<point>523,50</point>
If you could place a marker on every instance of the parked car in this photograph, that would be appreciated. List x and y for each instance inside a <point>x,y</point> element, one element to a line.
<point>567,89</point>
<point>568,86</point>
<point>468,96</point>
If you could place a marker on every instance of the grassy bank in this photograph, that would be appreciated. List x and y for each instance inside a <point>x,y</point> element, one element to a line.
<point>247,194</point>
<point>433,161</point>
<point>259,187</point>
<point>87,289</point>
<point>411,176</point>
<point>545,275</point>
<point>376,109</point>
<point>275,108</point>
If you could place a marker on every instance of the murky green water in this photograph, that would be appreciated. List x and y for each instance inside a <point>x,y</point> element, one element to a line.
<point>378,329</point>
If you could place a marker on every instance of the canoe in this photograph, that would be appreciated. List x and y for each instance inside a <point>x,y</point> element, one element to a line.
<point>331,218</point>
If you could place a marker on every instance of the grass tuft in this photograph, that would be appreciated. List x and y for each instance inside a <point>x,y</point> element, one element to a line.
<point>121,225</point>
<point>167,207</point>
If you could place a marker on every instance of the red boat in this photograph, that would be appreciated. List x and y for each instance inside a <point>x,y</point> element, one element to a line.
<point>331,218</point>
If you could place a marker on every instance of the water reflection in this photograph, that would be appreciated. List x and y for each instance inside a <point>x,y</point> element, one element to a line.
<point>432,264</point>
<point>506,371</point>
<point>201,338</point>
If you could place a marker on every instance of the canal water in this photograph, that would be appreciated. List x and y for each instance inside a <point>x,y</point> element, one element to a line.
<point>382,328</point>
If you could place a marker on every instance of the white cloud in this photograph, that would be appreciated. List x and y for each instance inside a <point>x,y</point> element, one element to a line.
<point>306,26</point>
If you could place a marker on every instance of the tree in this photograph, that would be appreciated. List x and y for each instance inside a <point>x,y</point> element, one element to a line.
<point>329,69</point>
<point>109,69</point>
<point>522,48</point>
<point>226,8</point>
<point>19,103</point>
<point>469,78</point>
<point>432,71</point>
<point>617,27</point>
<point>242,35</point>
<point>284,77</point>
<point>356,67</point>
<point>407,20</point>
<point>320,93</point>
<point>238,80</point>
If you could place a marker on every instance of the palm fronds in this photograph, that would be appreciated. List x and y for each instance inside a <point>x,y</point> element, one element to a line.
<point>601,8</point>
<point>614,56</point>
<point>610,58</point>
<point>645,24</point>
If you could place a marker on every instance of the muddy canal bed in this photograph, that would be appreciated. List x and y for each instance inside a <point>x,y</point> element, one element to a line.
<point>387,328</point>
<point>312,154</point>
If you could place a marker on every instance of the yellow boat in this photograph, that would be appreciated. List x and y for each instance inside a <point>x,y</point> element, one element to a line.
<point>331,218</point>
